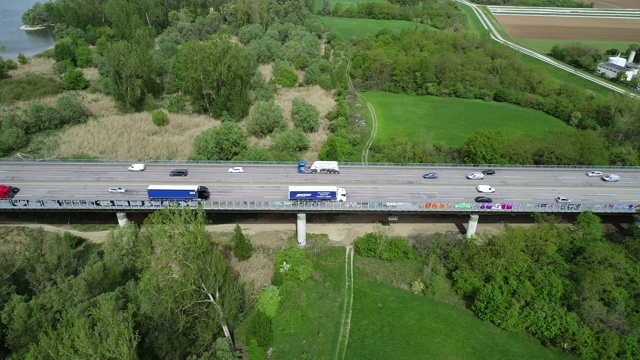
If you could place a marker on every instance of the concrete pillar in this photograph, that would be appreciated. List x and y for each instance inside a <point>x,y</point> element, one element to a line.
<point>122,218</point>
<point>473,225</point>
<point>302,229</point>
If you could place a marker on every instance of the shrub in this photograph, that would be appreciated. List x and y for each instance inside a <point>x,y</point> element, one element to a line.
<point>255,352</point>
<point>286,77</point>
<point>221,143</point>
<point>266,117</point>
<point>305,116</point>
<point>74,80</point>
<point>268,301</point>
<point>22,59</point>
<point>62,67</point>
<point>290,142</point>
<point>72,241</point>
<point>242,247</point>
<point>259,328</point>
<point>28,87</point>
<point>291,265</point>
<point>159,118</point>
<point>381,245</point>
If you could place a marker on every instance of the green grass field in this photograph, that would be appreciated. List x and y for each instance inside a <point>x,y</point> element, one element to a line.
<point>347,28</point>
<point>388,322</point>
<point>317,4</point>
<point>451,120</point>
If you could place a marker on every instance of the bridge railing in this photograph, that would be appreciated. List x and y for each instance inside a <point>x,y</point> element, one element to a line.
<point>275,206</point>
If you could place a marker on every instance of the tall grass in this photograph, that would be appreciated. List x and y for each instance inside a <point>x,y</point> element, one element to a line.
<point>134,136</point>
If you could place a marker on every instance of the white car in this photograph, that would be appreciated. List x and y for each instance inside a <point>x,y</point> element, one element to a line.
<point>611,177</point>
<point>137,167</point>
<point>485,188</point>
<point>562,199</point>
<point>475,176</point>
<point>594,173</point>
<point>117,189</point>
<point>236,169</point>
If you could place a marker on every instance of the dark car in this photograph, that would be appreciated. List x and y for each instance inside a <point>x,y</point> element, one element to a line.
<point>489,172</point>
<point>430,176</point>
<point>179,172</point>
<point>14,190</point>
<point>483,199</point>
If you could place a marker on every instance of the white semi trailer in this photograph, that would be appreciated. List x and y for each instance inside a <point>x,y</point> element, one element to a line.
<point>319,167</point>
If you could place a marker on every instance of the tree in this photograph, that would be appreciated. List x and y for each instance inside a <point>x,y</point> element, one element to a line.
<point>242,247</point>
<point>216,74</point>
<point>289,142</point>
<point>305,116</point>
<point>266,117</point>
<point>221,143</point>
<point>186,286</point>
<point>130,73</point>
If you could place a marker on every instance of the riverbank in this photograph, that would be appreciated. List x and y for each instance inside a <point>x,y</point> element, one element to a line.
<point>31,28</point>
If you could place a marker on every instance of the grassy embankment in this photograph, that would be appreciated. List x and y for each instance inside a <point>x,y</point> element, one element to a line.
<point>451,120</point>
<point>388,322</point>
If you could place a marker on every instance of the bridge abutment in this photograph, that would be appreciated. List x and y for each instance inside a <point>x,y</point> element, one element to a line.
<point>473,225</point>
<point>301,228</point>
<point>122,218</point>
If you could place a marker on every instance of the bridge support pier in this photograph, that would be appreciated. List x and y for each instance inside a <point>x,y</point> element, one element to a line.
<point>473,225</point>
<point>301,228</point>
<point>122,218</point>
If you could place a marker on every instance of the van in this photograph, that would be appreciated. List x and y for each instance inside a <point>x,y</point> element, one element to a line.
<point>137,167</point>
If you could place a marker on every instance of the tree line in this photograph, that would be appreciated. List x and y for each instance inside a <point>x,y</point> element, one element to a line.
<point>470,66</point>
<point>570,287</point>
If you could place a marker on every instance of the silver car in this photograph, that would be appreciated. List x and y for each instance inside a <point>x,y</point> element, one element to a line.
<point>610,177</point>
<point>117,189</point>
<point>475,176</point>
<point>594,173</point>
<point>563,199</point>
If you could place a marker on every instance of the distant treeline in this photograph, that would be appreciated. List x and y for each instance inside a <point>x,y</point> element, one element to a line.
<point>540,3</point>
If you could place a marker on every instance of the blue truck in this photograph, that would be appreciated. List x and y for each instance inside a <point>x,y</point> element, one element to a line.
<point>178,192</point>
<point>317,193</point>
<point>318,167</point>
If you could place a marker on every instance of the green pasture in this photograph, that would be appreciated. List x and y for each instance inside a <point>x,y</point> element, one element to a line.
<point>346,28</point>
<point>389,323</point>
<point>452,121</point>
<point>543,46</point>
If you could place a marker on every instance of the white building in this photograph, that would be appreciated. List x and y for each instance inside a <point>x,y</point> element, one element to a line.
<point>614,66</point>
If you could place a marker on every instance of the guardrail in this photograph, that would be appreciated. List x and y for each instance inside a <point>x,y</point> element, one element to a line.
<point>293,206</point>
<point>295,164</point>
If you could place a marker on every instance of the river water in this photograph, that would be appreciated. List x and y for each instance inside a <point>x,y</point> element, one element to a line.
<point>15,40</point>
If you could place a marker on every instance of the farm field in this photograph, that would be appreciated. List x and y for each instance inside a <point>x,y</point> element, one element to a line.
<point>570,28</point>
<point>543,46</point>
<point>346,28</point>
<point>448,120</point>
<point>615,4</point>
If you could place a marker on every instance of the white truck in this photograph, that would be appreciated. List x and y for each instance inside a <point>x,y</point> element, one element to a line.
<point>317,193</point>
<point>319,167</point>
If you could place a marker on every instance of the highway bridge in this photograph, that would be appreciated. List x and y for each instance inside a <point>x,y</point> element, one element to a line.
<point>78,186</point>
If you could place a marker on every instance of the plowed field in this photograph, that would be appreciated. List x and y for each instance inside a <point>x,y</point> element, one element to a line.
<point>571,28</point>
<point>616,4</point>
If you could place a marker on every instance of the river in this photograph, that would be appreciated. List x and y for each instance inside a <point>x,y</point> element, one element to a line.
<point>15,40</point>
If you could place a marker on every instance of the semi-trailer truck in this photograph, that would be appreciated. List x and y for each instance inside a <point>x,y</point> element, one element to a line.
<point>178,192</point>
<point>319,167</point>
<point>317,193</point>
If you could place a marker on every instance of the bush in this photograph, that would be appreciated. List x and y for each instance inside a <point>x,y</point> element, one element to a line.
<point>268,301</point>
<point>305,116</point>
<point>286,77</point>
<point>290,142</point>
<point>72,241</point>
<point>159,118</point>
<point>259,328</point>
<point>242,247</point>
<point>74,80</point>
<point>22,59</point>
<point>383,246</point>
<point>28,87</point>
<point>266,117</point>
<point>62,67</point>
<point>291,265</point>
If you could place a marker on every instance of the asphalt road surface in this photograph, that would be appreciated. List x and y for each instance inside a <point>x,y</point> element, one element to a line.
<point>63,181</point>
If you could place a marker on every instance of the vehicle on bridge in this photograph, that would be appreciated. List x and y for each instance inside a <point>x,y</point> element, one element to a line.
<point>8,192</point>
<point>318,167</point>
<point>178,192</point>
<point>317,193</point>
